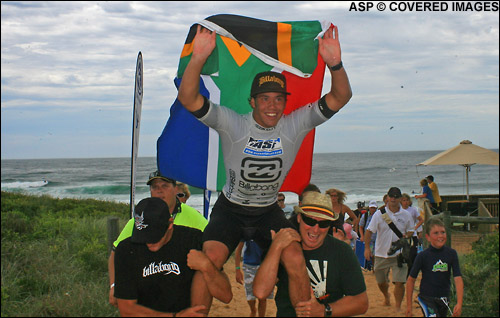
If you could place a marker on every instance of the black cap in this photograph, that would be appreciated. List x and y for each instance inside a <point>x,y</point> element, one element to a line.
<point>151,220</point>
<point>268,82</point>
<point>429,177</point>
<point>394,192</point>
<point>158,175</point>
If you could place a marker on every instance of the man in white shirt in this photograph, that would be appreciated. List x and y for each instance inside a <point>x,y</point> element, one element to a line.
<point>393,212</point>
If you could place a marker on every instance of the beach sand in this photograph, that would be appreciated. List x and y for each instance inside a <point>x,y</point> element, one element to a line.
<point>238,307</point>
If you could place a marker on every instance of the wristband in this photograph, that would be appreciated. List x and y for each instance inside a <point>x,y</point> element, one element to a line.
<point>112,285</point>
<point>336,67</point>
<point>237,267</point>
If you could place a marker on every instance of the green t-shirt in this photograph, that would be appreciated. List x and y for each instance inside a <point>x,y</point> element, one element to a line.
<point>333,270</point>
<point>186,216</point>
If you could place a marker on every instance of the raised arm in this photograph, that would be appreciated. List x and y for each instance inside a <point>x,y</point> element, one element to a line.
<point>189,90</point>
<point>329,49</point>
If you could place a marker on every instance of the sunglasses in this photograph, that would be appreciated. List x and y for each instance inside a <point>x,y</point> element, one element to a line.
<point>281,200</point>
<point>181,195</point>
<point>312,222</point>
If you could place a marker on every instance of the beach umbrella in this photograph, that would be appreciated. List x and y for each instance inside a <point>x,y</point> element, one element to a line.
<point>465,154</point>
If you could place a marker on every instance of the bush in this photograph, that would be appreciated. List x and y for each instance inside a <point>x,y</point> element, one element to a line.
<point>54,256</point>
<point>480,274</point>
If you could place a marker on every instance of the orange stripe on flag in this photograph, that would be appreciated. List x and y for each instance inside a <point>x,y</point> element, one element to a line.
<point>187,49</point>
<point>283,43</point>
<point>239,53</point>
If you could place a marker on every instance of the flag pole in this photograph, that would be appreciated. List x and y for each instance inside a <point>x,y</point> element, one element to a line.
<point>136,124</point>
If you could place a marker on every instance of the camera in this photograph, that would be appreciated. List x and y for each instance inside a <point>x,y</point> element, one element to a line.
<point>402,243</point>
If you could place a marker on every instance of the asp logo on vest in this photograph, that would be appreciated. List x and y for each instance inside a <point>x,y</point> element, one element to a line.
<point>263,148</point>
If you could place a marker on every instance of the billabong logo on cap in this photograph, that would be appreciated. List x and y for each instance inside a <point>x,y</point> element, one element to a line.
<point>269,81</point>
<point>268,78</point>
<point>139,222</point>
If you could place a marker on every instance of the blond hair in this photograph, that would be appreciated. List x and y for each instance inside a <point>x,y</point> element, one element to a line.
<point>407,196</point>
<point>184,189</point>
<point>341,196</point>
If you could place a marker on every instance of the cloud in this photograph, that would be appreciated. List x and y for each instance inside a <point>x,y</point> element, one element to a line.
<point>70,66</point>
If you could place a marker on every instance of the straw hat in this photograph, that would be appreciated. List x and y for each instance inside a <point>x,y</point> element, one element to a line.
<point>316,204</point>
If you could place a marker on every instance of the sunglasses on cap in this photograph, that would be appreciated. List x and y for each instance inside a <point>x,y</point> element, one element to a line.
<point>312,222</point>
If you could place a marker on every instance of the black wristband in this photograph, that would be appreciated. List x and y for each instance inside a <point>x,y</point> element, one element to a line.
<point>336,67</point>
<point>203,110</point>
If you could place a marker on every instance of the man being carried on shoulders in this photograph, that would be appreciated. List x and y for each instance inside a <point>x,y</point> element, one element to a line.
<point>247,208</point>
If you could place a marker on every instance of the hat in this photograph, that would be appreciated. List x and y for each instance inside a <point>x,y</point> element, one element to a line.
<point>430,177</point>
<point>394,192</point>
<point>151,220</point>
<point>347,230</point>
<point>317,205</point>
<point>268,82</point>
<point>157,175</point>
<point>373,204</point>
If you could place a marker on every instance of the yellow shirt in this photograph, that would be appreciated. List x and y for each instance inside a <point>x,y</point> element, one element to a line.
<point>435,192</point>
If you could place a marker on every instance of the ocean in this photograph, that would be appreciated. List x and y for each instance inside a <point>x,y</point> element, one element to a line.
<point>364,176</point>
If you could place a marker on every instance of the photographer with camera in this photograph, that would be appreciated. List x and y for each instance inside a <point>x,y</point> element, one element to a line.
<point>389,223</point>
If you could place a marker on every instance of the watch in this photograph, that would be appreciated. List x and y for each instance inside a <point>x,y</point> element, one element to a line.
<point>328,310</point>
<point>336,67</point>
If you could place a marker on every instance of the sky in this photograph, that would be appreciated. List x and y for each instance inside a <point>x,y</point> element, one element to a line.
<point>421,79</point>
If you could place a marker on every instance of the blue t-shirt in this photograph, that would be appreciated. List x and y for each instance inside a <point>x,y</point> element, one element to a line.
<point>365,221</point>
<point>435,265</point>
<point>252,253</point>
<point>426,189</point>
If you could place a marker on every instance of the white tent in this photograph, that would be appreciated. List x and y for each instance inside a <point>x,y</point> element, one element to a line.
<point>465,154</point>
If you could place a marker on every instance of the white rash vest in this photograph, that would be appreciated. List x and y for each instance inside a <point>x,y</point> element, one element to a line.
<point>257,159</point>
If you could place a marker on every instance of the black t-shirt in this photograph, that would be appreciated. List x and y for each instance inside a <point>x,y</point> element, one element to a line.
<point>436,266</point>
<point>158,280</point>
<point>333,270</point>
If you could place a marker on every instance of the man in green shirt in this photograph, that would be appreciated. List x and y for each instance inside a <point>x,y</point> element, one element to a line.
<point>184,215</point>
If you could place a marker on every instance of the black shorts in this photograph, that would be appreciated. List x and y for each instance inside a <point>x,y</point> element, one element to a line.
<point>230,223</point>
<point>434,306</point>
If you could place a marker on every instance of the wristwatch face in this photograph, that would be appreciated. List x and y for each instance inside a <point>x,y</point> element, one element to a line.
<point>328,310</point>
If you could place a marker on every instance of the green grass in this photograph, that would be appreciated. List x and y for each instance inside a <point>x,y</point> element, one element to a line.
<point>54,256</point>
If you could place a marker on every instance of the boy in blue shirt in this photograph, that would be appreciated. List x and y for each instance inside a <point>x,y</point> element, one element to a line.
<point>435,262</point>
